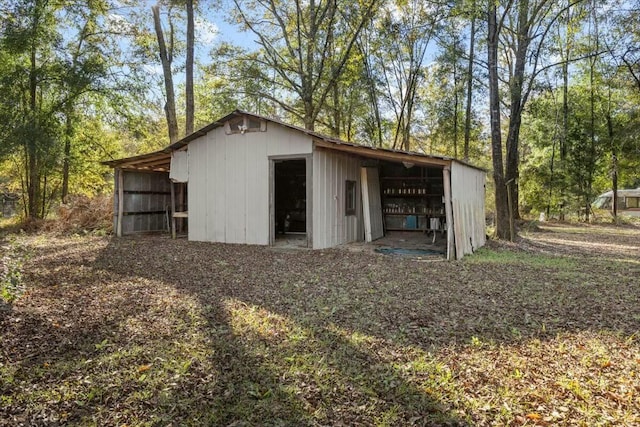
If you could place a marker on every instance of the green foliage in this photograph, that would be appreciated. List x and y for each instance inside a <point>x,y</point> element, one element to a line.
<point>548,181</point>
<point>11,284</point>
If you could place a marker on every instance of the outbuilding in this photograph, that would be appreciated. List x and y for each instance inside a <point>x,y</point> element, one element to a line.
<point>252,179</point>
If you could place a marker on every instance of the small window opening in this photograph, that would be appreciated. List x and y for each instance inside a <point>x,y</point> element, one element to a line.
<point>253,124</point>
<point>350,198</point>
<point>244,124</point>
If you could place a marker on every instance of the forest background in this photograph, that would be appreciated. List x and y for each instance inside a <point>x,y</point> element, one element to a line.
<point>545,95</point>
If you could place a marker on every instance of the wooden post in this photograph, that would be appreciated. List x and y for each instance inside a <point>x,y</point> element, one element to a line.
<point>446,181</point>
<point>173,210</point>
<point>120,185</point>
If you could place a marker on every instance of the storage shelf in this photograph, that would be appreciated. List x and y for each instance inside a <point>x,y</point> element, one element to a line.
<point>409,229</point>
<point>404,196</point>
<point>412,203</point>
<point>415,213</point>
<point>411,178</point>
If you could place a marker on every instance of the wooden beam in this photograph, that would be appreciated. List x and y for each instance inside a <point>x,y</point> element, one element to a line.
<point>157,162</point>
<point>383,154</point>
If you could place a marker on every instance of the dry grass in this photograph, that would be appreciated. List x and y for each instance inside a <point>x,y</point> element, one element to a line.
<point>152,331</point>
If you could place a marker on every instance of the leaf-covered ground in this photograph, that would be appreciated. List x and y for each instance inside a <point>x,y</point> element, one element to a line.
<point>153,331</point>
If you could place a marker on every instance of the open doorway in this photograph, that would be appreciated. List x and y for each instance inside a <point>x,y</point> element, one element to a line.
<point>413,207</point>
<point>290,202</point>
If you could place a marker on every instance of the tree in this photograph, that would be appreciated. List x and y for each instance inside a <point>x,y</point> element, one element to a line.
<point>405,31</point>
<point>504,221</point>
<point>189,97</point>
<point>467,117</point>
<point>520,34</point>
<point>166,52</point>
<point>46,78</point>
<point>294,37</point>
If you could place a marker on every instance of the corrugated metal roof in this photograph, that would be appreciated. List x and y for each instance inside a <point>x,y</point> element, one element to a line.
<point>160,160</point>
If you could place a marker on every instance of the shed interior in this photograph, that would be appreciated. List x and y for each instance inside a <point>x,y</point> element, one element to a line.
<point>413,209</point>
<point>290,197</point>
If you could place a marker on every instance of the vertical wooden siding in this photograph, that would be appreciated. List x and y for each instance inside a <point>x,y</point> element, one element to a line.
<point>229,182</point>
<point>331,226</point>
<point>467,194</point>
<point>145,199</point>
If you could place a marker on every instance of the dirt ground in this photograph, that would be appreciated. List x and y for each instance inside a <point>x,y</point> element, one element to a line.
<point>152,331</point>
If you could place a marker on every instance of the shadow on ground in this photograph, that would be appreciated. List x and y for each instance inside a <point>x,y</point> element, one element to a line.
<point>292,337</point>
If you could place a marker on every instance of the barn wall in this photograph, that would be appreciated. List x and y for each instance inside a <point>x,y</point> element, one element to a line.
<point>229,182</point>
<point>331,226</point>
<point>467,198</point>
<point>146,196</point>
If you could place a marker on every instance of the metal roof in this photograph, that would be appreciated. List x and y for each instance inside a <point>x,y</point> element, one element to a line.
<point>161,160</point>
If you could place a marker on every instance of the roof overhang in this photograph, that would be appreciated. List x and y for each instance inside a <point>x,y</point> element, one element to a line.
<point>158,161</point>
<point>384,154</point>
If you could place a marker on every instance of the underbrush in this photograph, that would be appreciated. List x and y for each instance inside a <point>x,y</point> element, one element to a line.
<point>80,215</point>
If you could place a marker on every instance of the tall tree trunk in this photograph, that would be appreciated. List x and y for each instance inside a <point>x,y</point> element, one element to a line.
<point>467,119</point>
<point>337,113</point>
<point>614,159</point>
<point>33,175</point>
<point>166,58</point>
<point>190,104</point>
<point>68,134</point>
<point>592,113</point>
<point>455,109</point>
<point>517,103</point>
<point>373,94</point>
<point>502,206</point>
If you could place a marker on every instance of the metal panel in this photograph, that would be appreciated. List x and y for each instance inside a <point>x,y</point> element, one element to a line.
<point>468,194</point>
<point>229,182</point>
<point>179,171</point>
<point>371,204</point>
<point>198,181</point>
<point>216,213</point>
<point>331,226</point>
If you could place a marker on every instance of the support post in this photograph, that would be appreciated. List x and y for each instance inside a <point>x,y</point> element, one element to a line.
<point>173,210</point>
<point>446,181</point>
<point>120,186</point>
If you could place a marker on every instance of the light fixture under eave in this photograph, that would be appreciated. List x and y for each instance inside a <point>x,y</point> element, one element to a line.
<point>408,165</point>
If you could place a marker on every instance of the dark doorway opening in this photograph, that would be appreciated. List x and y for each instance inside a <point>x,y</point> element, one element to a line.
<point>290,196</point>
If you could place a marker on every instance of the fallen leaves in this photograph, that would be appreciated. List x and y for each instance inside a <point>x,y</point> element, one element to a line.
<point>159,331</point>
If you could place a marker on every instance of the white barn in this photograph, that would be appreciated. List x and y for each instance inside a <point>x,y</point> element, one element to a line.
<point>251,179</point>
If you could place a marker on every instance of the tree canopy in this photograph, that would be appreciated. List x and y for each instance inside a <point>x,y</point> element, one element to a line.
<point>544,94</point>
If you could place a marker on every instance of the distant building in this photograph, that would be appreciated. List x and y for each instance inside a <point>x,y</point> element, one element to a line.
<point>8,204</point>
<point>628,202</point>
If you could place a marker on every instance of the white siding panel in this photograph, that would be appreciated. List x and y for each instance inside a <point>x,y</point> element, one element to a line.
<point>197,182</point>
<point>257,194</point>
<point>229,182</point>
<point>283,141</point>
<point>235,186</point>
<point>331,226</point>
<point>467,194</point>
<point>217,187</point>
